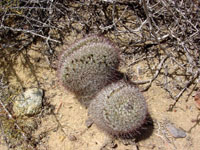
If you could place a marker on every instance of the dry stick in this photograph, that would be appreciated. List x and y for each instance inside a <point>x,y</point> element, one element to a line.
<point>150,42</point>
<point>151,27</point>
<point>37,8</point>
<point>157,72</point>
<point>166,73</point>
<point>30,32</point>
<point>197,120</point>
<point>43,24</point>
<point>187,55</point>
<point>155,75</point>
<point>114,22</point>
<point>141,82</point>
<point>141,59</point>
<point>186,19</point>
<point>180,42</point>
<point>183,90</point>
<point>4,107</point>
<point>166,69</point>
<point>158,42</point>
<point>191,92</point>
<point>59,124</point>
<point>181,14</point>
<point>180,65</point>
<point>11,117</point>
<point>4,137</point>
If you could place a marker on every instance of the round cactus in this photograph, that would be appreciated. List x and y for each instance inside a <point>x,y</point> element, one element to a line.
<point>120,109</point>
<point>77,45</point>
<point>88,65</point>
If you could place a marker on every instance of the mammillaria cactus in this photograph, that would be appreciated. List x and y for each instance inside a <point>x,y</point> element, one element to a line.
<point>120,109</point>
<point>88,65</point>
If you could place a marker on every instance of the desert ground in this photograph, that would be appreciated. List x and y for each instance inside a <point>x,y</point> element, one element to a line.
<point>158,45</point>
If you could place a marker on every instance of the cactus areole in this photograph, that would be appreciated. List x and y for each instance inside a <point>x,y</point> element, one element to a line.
<point>119,109</point>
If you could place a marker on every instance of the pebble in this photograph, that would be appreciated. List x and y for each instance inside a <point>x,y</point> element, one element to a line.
<point>89,122</point>
<point>29,102</point>
<point>175,132</point>
<point>72,137</point>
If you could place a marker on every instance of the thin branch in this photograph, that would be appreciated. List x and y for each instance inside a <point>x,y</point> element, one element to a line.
<point>157,72</point>
<point>29,32</point>
<point>184,89</point>
<point>11,117</point>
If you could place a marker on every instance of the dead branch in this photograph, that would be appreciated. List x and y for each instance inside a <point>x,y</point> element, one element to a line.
<point>184,89</point>
<point>160,65</point>
<point>29,32</point>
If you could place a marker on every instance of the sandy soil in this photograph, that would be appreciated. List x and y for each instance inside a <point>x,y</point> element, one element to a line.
<point>76,135</point>
<point>73,134</point>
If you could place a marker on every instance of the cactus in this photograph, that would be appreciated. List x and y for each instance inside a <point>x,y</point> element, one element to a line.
<point>119,109</point>
<point>88,65</point>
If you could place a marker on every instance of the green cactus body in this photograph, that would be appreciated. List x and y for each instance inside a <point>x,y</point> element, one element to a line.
<point>120,109</point>
<point>88,66</point>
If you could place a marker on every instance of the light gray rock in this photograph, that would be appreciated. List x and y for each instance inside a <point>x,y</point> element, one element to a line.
<point>29,102</point>
<point>175,132</point>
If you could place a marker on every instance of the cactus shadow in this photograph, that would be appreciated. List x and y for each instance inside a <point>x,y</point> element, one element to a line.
<point>146,131</point>
<point>87,99</point>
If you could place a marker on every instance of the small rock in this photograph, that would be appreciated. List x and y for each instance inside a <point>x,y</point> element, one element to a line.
<point>72,137</point>
<point>89,122</point>
<point>175,132</point>
<point>29,102</point>
<point>139,71</point>
<point>112,145</point>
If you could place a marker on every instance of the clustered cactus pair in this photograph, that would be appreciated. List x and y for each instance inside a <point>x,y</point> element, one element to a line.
<point>88,68</point>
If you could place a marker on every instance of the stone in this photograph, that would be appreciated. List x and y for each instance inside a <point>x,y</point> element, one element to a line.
<point>28,103</point>
<point>72,137</point>
<point>175,132</point>
<point>89,122</point>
